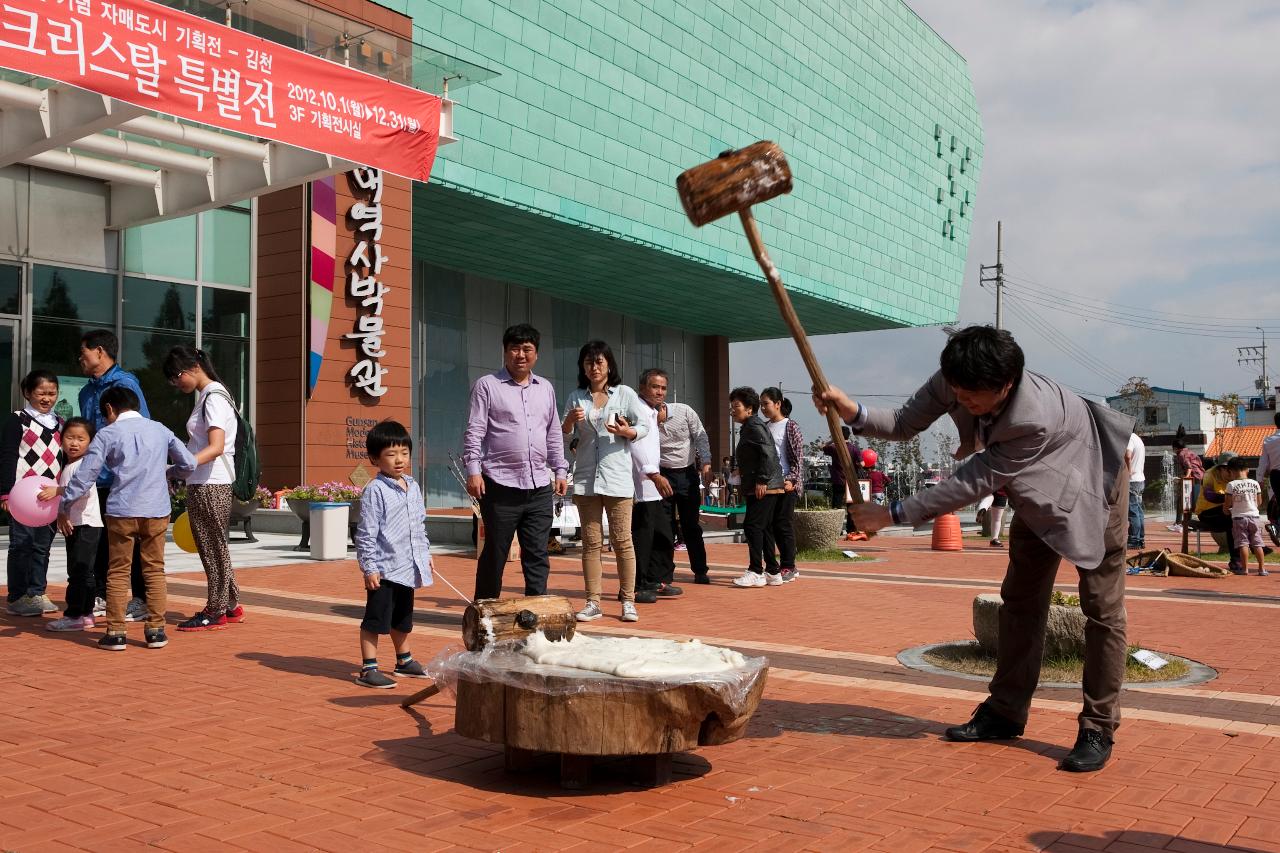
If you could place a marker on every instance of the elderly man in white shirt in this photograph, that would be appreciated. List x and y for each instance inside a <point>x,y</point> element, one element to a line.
<point>686,463</point>
<point>650,524</point>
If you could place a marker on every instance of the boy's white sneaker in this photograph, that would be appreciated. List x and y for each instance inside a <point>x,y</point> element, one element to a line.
<point>629,612</point>
<point>773,580</point>
<point>750,578</point>
<point>99,607</point>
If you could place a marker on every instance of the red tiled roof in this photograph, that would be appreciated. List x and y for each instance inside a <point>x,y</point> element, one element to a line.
<point>1242,441</point>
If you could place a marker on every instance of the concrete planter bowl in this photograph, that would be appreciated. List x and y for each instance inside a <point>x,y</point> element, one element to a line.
<point>1063,636</point>
<point>817,528</point>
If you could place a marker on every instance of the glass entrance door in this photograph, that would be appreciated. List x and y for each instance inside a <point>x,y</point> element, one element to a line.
<point>9,339</point>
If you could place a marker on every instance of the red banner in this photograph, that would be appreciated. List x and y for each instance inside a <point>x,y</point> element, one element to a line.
<point>161,59</point>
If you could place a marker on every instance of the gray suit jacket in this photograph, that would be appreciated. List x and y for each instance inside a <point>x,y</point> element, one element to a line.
<point>1057,456</point>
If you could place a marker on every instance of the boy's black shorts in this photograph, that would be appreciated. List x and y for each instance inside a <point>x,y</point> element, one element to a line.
<point>388,608</point>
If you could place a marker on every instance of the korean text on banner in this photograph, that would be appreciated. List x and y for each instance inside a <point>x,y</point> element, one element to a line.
<point>161,59</point>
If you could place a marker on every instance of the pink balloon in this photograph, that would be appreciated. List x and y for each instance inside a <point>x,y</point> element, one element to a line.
<point>869,458</point>
<point>26,508</point>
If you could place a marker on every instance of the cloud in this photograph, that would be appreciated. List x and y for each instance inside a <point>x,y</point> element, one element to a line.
<point>1132,150</point>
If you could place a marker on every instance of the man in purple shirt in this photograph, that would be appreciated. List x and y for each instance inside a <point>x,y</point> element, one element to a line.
<point>513,437</point>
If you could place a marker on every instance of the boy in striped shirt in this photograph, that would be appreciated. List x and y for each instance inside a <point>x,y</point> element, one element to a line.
<point>393,552</point>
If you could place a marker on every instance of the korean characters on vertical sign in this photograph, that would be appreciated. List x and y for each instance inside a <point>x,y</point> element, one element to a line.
<point>366,263</point>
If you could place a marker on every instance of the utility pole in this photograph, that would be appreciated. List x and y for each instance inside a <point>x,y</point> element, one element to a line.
<point>998,278</point>
<point>1258,356</point>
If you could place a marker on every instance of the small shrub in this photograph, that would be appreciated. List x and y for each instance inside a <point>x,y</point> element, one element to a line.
<point>1063,600</point>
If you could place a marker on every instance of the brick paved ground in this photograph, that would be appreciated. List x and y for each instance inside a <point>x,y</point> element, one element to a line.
<point>254,738</point>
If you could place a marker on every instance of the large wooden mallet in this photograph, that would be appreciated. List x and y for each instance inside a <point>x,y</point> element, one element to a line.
<point>731,183</point>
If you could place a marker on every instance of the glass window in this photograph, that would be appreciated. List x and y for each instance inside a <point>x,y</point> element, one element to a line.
<point>76,295</point>
<point>165,248</point>
<point>230,358</point>
<point>143,352</point>
<point>10,289</point>
<point>56,347</point>
<point>226,312</point>
<point>224,249</point>
<point>159,305</point>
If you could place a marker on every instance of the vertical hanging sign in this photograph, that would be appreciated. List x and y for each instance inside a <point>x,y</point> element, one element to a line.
<point>324,240</point>
<point>365,264</point>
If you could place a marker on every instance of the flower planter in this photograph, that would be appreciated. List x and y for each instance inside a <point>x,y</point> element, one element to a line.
<point>1064,630</point>
<point>302,509</point>
<point>817,528</point>
<point>242,514</point>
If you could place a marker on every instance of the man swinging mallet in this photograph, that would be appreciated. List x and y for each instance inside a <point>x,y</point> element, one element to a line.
<point>1060,459</point>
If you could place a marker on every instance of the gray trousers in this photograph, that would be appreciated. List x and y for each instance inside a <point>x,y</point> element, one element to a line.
<point>1027,587</point>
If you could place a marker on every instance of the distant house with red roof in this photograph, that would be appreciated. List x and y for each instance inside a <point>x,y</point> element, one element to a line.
<point>1243,441</point>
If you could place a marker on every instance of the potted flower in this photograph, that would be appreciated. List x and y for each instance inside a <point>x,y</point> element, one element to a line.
<point>301,498</point>
<point>817,525</point>
<point>242,511</point>
<point>177,499</point>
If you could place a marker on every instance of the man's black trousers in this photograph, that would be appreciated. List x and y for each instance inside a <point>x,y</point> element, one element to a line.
<point>508,512</point>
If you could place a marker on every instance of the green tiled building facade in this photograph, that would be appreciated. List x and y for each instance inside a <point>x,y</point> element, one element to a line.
<point>560,195</point>
<point>599,105</point>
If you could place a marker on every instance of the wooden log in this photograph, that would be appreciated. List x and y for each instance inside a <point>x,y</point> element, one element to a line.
<point>733,181</point>
<point>543,713</point>
<point>492,620</point>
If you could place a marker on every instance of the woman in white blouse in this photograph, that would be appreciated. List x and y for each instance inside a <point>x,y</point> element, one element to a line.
<point>606,417</point>
<point>212,429</point>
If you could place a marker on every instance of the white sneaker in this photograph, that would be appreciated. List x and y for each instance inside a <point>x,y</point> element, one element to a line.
<point>99,607</point>
<point>590,613</point>
<point>135,611</point>
<point>749,578</point>
<point>629,612</point>
<point>773,580</point>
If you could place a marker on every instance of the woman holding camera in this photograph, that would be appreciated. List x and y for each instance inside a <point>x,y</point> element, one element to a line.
<point>606,417</point>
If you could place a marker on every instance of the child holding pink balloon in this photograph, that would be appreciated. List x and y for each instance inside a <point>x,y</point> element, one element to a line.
<point>81,523</point>
<point>30,449</point>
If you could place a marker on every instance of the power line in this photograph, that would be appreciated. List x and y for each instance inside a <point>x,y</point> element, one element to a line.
<point>1103,315</point>
<point>1094,303</point>
<point>1064,343</point>
<point>1143,308</point>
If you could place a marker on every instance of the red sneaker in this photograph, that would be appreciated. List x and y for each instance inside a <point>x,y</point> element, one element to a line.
<point>235,615</point>
<point>203,622</point>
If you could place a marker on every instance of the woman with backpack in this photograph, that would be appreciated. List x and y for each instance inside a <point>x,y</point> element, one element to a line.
<point>213,428</point>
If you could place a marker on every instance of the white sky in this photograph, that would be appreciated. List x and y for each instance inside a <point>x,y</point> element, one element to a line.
<point>1132,150</point>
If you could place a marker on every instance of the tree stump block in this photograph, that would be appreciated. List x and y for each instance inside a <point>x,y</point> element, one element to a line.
<point>541,713</point>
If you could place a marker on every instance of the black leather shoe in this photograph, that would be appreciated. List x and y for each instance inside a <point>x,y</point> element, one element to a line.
<point>666,590</point>
<point>646,596</point>
<point>1090,753</point>
<point>703,578</point>
<point>985,725</point>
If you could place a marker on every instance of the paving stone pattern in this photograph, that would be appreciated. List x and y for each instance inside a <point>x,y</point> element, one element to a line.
<point>255,738</point>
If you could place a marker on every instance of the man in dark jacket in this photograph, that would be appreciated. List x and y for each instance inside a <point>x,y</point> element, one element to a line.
<point>761,483</point>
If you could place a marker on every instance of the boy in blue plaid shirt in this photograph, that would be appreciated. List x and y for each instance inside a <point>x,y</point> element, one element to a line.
<point>393,552</point>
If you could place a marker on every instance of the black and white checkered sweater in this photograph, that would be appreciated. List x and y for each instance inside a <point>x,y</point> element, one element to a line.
<point>28,449</point>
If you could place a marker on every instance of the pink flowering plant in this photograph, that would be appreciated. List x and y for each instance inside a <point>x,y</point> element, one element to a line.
<point>324,493</point>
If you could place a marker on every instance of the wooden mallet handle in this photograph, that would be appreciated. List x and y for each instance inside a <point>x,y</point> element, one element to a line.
<point>424,693</point>
<point>802,343</point>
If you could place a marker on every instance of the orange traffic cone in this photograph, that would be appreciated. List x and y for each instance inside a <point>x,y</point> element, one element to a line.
<point>946,533</point>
